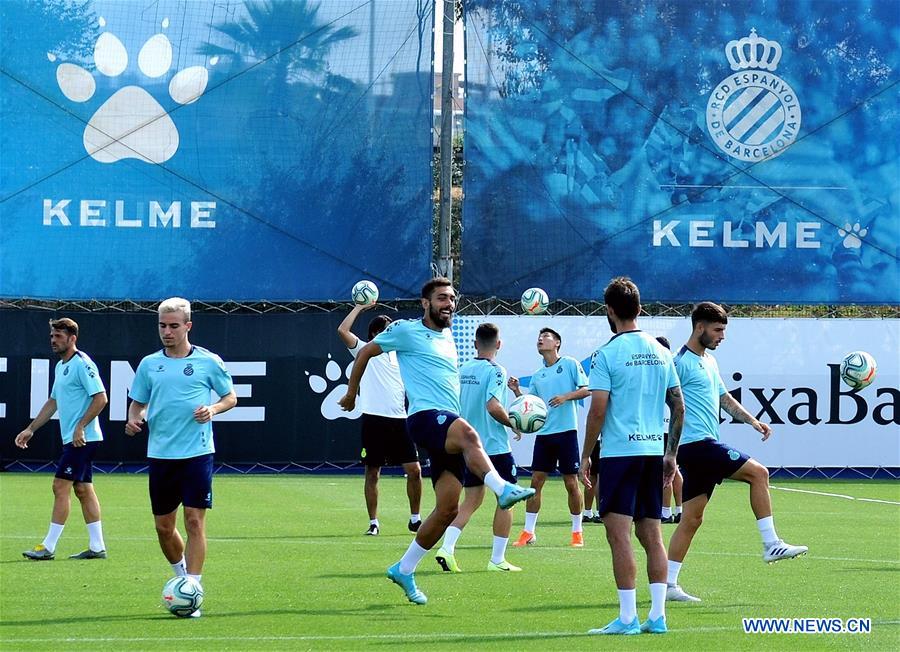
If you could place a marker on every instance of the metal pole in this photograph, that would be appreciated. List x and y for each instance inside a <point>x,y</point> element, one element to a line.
<point>445,260</point>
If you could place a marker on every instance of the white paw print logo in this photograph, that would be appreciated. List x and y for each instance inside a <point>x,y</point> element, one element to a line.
<point>131,123</point>
<point>852,235</point>
<point>330,408</point>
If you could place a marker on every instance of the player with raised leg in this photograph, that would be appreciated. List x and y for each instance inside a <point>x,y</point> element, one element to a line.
<point>705,461</point>
<point>428,364</point>
<point>483,399</point>
<point>79,396</point>
<point>172,387</point>
<point>385,439</point>
<point>632,378</point>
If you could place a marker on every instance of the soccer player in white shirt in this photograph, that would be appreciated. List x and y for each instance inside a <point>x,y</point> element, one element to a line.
<point>385,440</point>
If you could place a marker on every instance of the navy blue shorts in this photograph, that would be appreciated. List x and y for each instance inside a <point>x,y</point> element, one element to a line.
<point>386,442</point>
<point>503,463</point>
<point>185,482</point>
<point>428,430</point>
<point>704,464</point>
<point>631,486</point>
<point>76,464</point>
<point>557,448</point>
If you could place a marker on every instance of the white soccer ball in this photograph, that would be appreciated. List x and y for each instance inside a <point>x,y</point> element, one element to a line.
<point>528,413</point>
<point>364,293</point>
<point>535,301</point>
<point>182,596</point>
<point>858,369</point>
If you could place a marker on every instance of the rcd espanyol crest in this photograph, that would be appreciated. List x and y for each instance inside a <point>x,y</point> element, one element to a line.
<point>753,114</point>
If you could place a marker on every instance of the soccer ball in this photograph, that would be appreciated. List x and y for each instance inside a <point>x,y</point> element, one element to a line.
<point>535,301</point>
<point>858,369</point>
<point>364,293</point>
<point>528,413</point>
<point>182,596</point>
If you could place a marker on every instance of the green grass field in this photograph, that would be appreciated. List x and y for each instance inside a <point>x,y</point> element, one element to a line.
<point>289,568</point>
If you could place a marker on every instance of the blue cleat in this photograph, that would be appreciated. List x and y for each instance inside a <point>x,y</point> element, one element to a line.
<point>513,494</point>
<point>618,627</point>
<point>407,583</point>
<point>657,626</point>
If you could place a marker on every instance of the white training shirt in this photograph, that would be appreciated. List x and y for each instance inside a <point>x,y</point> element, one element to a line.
<point>381,389</point>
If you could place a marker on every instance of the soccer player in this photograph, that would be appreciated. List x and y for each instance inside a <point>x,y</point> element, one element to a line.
<point>559,382</point>
<point>668,516</point>
<point>172,387</point>
<point>79,396</point>
<point>705,461</point>
<point>632,377</point>
<point>385,439</point>
<point>483,400</point>
<point>428,364</point>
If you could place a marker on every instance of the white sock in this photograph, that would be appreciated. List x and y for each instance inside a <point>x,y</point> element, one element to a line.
<point>180,568</point>
<point>451,536</point>
<point>627,605</point>
<point>674,569</point>
<point>414,518</point>
<point>657,600</point>
<point>95,536</point>
<point>677,510</point>
<point>767,530</point>
<point>530,521</point>
<point>411,558</point>
<point>494,482</point>
<point>586,514</point>
<point>498,552</point>
<point>576,522</point>
<point>53,535</point>
<point>374,521</point>
<point>196,578</point>
<point>666,512</point>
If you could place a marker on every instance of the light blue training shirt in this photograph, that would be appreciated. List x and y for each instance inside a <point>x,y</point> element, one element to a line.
<point>637,371</point>
<point>173,388</point>
<point>428,364</point>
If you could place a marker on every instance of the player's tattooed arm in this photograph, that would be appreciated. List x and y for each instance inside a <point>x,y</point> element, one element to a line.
<point>676,418</point>
<point>738,413</point>
<point>735,409</point>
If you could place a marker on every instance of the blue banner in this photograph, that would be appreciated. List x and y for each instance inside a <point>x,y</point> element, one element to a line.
<point>736,151</point>
<point>259,150</point>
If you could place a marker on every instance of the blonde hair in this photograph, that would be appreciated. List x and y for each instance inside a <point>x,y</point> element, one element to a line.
<point>176,304</point>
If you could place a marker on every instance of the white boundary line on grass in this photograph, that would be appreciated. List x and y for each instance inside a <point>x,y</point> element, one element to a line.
<point>844,496</point>
<point>387,637</point>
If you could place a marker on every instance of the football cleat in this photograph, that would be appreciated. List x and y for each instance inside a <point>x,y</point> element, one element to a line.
<point>674,593</point>
<point>447,561</point>
<point>407,583</point>
<point>657,626</point>
<point>667,519</point>
<point>781,550</point>
<point>413,527</point>
<point>38,553</point>
<point>525,539</point>
<point>512,494</point>
<point>372,531</point>
<point>503,566</point>
<point>89,554</point>
<point>577,540</point>
<point>618,627</point>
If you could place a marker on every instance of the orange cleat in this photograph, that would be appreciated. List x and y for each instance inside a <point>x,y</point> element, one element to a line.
<point>577,540</point>
<point>525,539</point>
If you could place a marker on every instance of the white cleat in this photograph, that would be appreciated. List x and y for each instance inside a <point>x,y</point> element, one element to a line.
<point>674,593</point>
<point>781,550</point>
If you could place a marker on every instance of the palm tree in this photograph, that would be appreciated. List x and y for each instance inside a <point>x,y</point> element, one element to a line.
<point>282,39</point>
